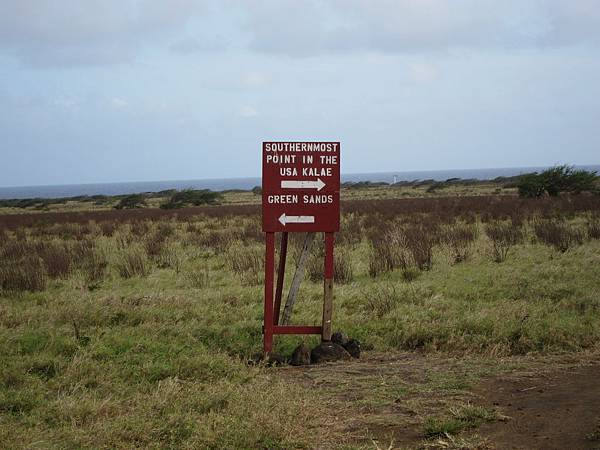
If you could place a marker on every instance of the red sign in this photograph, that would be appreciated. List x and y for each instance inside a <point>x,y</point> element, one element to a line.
<point>301,186</point>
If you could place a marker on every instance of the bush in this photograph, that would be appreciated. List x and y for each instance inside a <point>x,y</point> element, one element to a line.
<point>459,239</point>
<point>343,272</point>
<point>503,237</point>
<point>351,230</point>
<point>198,277</point>
<point>531,185</point>
<point>26,274</point>
<point>387,253</point>
<point>403,248</point>
<point>593,228</point>
<point>556,180</point>
<point>57,259</point>
<point>131,202</point>
<point>246,262</point>
<point>154,245</point>
<point>170,258</point>
<point>94,268</point>
<point>557,234</point>
<point>133,262</point>
<point>420,241</point>
<point>192,197</point>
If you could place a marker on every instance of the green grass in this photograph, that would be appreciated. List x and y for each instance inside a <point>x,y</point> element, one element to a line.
<point>160,361</point>
<point>460,418</point>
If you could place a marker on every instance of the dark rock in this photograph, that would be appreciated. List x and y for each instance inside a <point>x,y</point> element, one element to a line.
<point>275,359</point>
<point>328,351</point>
<point>353,347</point>
<point>301,356</point>
<point>339,338</point>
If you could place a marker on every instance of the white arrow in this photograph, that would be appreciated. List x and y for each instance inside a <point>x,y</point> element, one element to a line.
<point>296,219</point>
<point>293,184</point>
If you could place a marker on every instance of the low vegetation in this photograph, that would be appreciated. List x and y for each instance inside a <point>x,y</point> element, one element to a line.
<point>134,327</point>
<point>191,197</point>
<point>557,180</point>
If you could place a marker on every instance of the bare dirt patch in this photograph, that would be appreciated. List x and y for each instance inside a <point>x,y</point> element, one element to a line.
<point>384,401</point>
<point>554,409</point>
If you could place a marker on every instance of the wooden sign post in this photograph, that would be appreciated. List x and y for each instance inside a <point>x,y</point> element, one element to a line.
<point>300,194</point>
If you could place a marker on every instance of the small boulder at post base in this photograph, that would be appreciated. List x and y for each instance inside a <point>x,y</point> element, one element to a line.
<point>328,352</point>
<point>339,338</point>
<point>301,356</point>
<point>353,347</point>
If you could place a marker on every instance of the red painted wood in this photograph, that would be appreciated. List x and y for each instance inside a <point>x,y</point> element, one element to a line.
<point>301,186</point>
<point>280,277</point>
<point>268,307</point>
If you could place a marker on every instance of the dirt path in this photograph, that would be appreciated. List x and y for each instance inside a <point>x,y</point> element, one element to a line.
<point>383,400</point>
<point>555,410</point>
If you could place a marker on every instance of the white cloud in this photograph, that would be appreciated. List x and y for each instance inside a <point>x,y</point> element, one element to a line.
<point>255,79</point>
<point>43,33</point>
<point>191,44</point>
<point>314,27</point>
<point>92,32</point>
<point>422,72</point>
<point>118,103</point>
<point>247,111</point>
<point>68,103</point>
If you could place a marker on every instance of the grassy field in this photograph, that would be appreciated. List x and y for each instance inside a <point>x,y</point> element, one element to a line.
<point>123,329</point>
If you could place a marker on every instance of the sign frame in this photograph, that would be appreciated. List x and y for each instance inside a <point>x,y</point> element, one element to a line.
<point>307,200</point>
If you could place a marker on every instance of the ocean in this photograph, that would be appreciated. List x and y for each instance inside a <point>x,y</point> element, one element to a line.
<point>221,184</point>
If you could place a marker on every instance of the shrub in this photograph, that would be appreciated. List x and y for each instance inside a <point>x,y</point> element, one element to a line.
<point>593,228</point>
<point>108,228</point>
<point>154,245</point>
<point>217,241</point>
<point>387,253</point>
<point>131,201</point>
<point>57,258</point>
<point>133,262</point>
<point>245,261</point>
<point>25,274</point>
<point>420,241</point>
<point>343,271</point>
<point>342,266</point>
<point>558,234</point>
<point>198,277</point>
<point>351,229</point>
<point>139,228</point>
<point>170,258</point>
<point>411,246</point>
<point>503,236</point>
<point>556,180</point>
<point>531,185</point>
<point>94,268</point>
<point>192,197</point>
<point>459,239</point>
<point>384,298</point>
<point>166,229</point>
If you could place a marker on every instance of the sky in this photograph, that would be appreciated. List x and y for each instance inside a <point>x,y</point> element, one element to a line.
<point>131,90</point>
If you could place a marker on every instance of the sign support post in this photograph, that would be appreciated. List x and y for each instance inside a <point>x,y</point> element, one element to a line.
<point>328,287</point>
<point>268,310</point>
<point>280,277</point>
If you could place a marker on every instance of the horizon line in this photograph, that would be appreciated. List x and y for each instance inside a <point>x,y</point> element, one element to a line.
<point>180,180</point>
